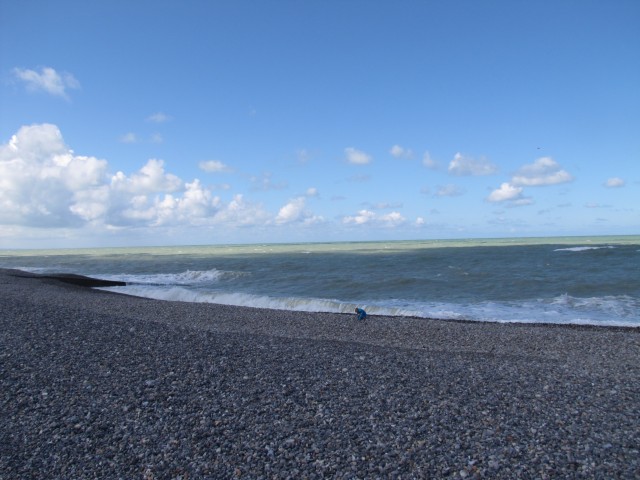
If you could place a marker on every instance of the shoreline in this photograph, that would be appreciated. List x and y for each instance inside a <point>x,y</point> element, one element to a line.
<point>96,383</point>
<point>91,282</point>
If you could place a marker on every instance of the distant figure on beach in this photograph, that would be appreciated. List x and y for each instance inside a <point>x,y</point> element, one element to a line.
<point>361,313</point>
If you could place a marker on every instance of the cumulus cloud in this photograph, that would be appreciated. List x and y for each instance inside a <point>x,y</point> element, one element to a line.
<point>43,183</point>
<point>150,179</point>
<point>47,80</point>
<point>194,206</point>
<point>544,171</point>
<point>357,157</point>
<point>367,217</point>
<point>463,165</point>
<point>392,219</point>
<point>428,161</point>
<point>400,152</point>
<point>505,192</point>
<point>295,211</point>
<point>362,217</point>
<point>129,138</point>
<point>614,182</point>
<point>291,211</point>
<point>158,117</point>
<point>241,213</point>
<point>213,166</point>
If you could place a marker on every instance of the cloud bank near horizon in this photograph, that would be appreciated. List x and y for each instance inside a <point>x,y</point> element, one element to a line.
<point>45,185</point>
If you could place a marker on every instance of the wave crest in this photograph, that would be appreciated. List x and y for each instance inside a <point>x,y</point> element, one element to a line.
<point>189,277</point>
<point>582,249</point>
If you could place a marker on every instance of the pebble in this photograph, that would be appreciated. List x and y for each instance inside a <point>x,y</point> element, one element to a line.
<point>99,385</point>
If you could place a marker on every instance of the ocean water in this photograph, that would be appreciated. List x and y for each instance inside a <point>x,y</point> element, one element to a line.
<point>573,280</point>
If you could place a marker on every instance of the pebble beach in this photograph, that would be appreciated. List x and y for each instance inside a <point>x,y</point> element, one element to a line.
<point>102,385</point>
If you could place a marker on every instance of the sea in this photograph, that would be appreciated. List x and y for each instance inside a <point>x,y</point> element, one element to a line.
<point>565,280</point>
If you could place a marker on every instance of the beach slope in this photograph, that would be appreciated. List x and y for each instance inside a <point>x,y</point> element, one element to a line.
<point>96,384</point>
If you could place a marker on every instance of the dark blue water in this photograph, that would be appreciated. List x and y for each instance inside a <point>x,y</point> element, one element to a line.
<point>596,283</point>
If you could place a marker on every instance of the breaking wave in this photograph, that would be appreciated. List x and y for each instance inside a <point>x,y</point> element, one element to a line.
<point>189,277</point>
<point>582,249</point>
<point>564,309</point>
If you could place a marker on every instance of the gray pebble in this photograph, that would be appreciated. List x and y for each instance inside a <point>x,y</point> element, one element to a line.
<point>99,385</point>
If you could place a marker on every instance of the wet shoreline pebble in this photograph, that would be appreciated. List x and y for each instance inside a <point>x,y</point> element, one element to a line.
<point>100,385</point>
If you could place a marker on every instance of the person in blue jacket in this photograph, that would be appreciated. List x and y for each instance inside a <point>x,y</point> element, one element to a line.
<point>361,313</point>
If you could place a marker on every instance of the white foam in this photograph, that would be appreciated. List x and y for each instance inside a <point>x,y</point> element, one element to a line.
<point>581,249</point>
<point>183,294</point>
<point>189,277</point>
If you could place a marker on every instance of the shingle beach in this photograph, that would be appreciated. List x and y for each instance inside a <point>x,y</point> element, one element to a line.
<point>100,385</point>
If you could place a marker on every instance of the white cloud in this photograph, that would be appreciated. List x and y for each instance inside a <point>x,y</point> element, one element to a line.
<point>449,190</point>
<point>544,171</point>
<point>43,183</point>
<point>150,179</point>
<point>420,221</point>
<point>505,192</point>
<point>295,211</point>
<point>152,197</point>
<point>614,182</point>
<point>129,138</point>
<point>196,206</point>
<point>364,217</point>
<point>392,219</point>
<point>522,201</point>
<point>158,117</point>
<point>241,213</point>
<point>291,211</point>
<point>357,157</point>
<point>463,165</point>
<point>213,166</point>
<point>400,152</point>
<point>90,204</point>
<point>48,80</point>
<point>428,161</point>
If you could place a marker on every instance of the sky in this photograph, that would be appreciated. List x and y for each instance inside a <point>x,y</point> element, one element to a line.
<point>205,122</point>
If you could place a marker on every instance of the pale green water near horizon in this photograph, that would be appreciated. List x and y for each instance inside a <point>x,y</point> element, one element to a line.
<point>317,247</point>
<point>581,280</point>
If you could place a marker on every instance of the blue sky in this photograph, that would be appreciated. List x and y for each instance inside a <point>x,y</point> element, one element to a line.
<point>197,122</point>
